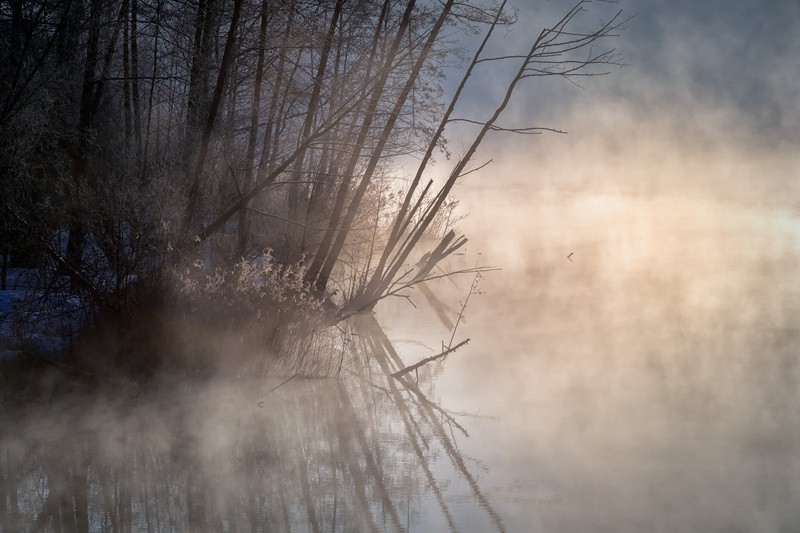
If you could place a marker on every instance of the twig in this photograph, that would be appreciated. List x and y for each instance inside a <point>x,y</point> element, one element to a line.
<point>406,370</point>
<point>473,289</point>
<point>276,387</point>
<point>476,169</point>
<point>534,130</point>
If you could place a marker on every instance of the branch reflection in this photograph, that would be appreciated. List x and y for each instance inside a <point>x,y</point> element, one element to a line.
<point>366,452</point>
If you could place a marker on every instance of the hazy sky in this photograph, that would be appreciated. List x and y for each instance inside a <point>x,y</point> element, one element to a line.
<point>709,105</point>
<point>740,53</point>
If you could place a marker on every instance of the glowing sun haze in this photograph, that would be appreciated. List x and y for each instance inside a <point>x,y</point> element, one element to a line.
<point>707,110</point>
<point>712,92</point>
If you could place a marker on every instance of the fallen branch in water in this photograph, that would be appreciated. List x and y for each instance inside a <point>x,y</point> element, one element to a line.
<point>427,360</point>
<point>284,382</point>
<point>399,285</point>
<point>276,387</point>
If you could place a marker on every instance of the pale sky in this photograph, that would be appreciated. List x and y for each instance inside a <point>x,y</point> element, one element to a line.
<point>709,105</point>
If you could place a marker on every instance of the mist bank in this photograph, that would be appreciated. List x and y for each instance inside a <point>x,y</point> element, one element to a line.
<point>648,147</point>
<point>646,381</point>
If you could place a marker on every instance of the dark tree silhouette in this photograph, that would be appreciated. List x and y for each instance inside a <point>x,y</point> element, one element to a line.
<point>138,138</point>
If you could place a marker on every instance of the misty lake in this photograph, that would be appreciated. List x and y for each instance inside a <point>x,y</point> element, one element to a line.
<point>646,382</point>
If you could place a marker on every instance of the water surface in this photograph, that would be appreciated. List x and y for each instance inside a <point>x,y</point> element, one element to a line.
<point>647,382</point>
<point>650,383</point>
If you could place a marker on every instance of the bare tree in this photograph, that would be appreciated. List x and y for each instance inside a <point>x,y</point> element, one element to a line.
<point>169,133</point>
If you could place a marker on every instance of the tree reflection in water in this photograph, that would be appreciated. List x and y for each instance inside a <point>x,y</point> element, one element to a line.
<point>355,453</point>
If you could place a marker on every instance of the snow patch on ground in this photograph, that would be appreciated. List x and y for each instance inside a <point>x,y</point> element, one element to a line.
<point>47,330</point>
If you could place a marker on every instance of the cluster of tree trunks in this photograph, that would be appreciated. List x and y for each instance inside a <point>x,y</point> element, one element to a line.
<point>140,135</point>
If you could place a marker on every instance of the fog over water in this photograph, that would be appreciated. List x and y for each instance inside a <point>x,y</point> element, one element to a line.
<point>632,367</point>
<point>649,383</point>
<point>639,347</point>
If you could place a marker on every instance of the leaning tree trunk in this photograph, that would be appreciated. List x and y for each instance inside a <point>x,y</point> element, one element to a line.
<point>192,207</point>
<point>244,220</point>
<point>333,255</point>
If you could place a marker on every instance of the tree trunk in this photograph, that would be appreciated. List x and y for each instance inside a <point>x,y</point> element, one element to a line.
<point>341,197</point>
<point>126,73</point>
<point>401,220</point>
<point>241,245</point>
<point>77,232</point>
<point>358,196</point>
<point>4,271</point>
<point>194,190</point>
<point>134,42</point>
<point>294,187</point>
<point>143,159</point>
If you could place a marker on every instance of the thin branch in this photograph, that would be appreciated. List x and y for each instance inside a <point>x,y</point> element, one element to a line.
<point>476,169</point>
<point>473,289</point>
<point>284,382</point>
<point>406,370</point>
<point>535,130</point>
